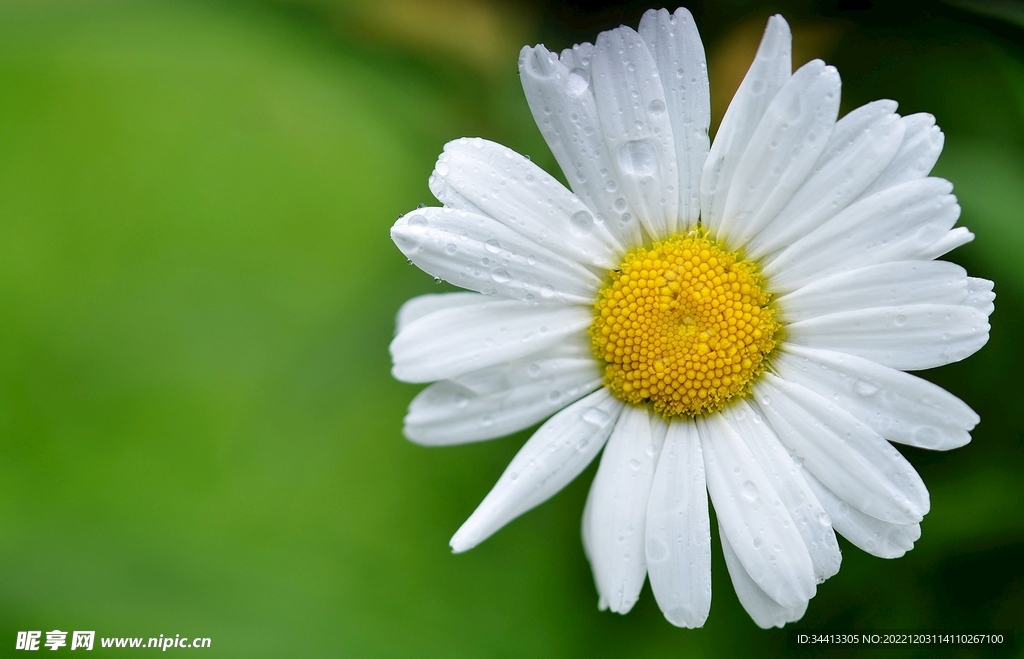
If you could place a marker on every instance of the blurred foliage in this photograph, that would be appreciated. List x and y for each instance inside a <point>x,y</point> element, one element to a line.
<point>199,434</point>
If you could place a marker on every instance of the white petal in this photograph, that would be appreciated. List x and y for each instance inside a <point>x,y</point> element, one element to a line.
<point>884,285</point>
<point>451,342</point>
<point>518,395</point>
<point>781,470</point>
<point>769,71</point>
<point>947,243</point>
<point>980,295</point>
<point>424,305</point>
<point>674,41</point>
<point>893,225</point>
<point>525,198</point>
<point>555,455</point>
<point>484,382</point>
<point>679,530</point>
<point>787,142</point>
<point>561,98</point>
<point>861,145</point>
<point>847,456</point>
<point>765,612</point>
<point>476,252</point>
<point>872,535</point>
<point>617,509</point>
<point>758,526</point>
<point>898,406</point>
<point>922,144</point>
<point>631,106</point>
<point>909,338</point>
<point>449,196</point>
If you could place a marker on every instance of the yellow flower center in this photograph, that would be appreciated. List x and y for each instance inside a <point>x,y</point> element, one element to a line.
<point>684,326</point>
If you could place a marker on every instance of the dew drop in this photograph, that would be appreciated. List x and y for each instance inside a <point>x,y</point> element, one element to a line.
<point>418,220</point>
<point>492,246</point>
<point>581,223</point>
<point>638,158</point>
<point>656,107</point>
<point>864,388</point>
<point>595,416</point>
<point>656,549</point>
<point>577,83</point>
<point>450,248</point>
<point>749,491</point>
<point>501,276</point>
<point>901,320</point>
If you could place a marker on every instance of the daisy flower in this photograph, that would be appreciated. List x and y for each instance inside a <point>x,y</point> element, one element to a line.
<point>732,320</point>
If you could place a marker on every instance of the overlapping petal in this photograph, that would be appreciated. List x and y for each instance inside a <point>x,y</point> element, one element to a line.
<point>457,340</point>
<point>678,529</point>
<point>616,511</point>
<point>896,405</point>
<point>502,399</point>
<point>555,455</point>
<point>634,120</point>
<point>786,144</point>
<point>522,196</point>
<point>896,224</point>
<point>848,457</point>
<point>861,145</point>
<point>561,96</point>
<point>763,610</point>
<point>750,511</point>
<point>769,71</point>
<point>679,55</point>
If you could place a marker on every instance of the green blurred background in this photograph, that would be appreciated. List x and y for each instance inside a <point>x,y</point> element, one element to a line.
<point>199,434</point>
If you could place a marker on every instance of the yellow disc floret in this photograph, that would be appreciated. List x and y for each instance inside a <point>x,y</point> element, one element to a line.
<point>684,326</point>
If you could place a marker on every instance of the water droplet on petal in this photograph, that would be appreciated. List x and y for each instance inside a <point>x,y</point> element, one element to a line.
<point>595,416</point>
<point>581,223</point>
<point>577,83</point>
<point>638,158</point>
<point>864,388</point>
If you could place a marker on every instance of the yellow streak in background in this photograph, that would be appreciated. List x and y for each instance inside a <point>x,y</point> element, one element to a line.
<point>485,34</point>
<point>730,55</point>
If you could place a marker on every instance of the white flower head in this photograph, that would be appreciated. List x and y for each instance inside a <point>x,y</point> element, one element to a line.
<point>731,319</point>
